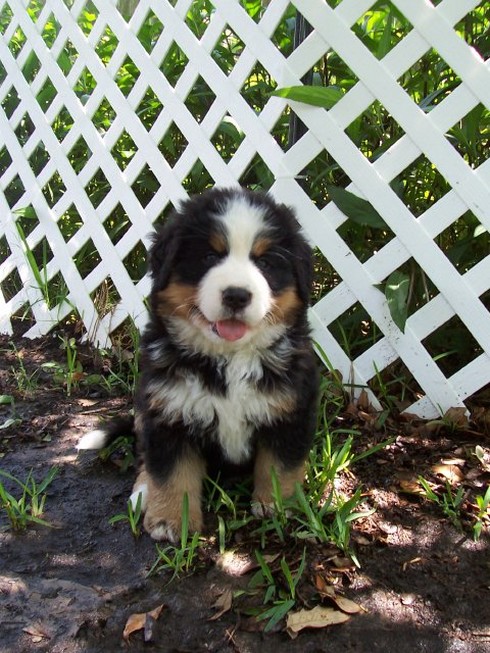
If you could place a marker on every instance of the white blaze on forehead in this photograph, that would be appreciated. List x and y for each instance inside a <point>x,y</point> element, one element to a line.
<point>243,223</point>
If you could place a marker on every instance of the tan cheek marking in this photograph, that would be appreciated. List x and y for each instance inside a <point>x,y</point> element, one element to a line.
<point>176,300</point>
<point>264,463</point>
<point>165,500</point>
<point>286,305</point>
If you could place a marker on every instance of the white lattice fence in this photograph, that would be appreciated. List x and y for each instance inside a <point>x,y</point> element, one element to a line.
<point>39,91</point>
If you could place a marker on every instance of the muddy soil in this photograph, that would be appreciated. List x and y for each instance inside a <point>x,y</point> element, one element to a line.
<point>423,584</point>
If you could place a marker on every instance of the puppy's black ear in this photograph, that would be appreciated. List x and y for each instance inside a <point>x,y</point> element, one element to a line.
<point>303,269</point>
<point>163,252</point>
<point>302,254</point>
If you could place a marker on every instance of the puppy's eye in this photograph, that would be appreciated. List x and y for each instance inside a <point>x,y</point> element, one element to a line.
<point>210,258</point>
<point>263,263</point>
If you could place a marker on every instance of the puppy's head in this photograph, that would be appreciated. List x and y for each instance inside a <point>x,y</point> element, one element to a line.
<point>229,266</point>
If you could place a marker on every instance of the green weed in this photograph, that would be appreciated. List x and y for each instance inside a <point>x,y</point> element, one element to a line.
<point>26,381</point>
<point>124,447</point>
<point>69,374</point>
<point>8,400</point>
<point>121,362</point>
<point>449,501</point>
<point>29,507</point>
<point>178,559</point>
<point>132,516</point>
<point>278,588</point>
<point>234,504</point>
<point>482,516</point>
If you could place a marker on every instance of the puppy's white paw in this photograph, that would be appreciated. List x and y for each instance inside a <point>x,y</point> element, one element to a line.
<point>164,532</point>
<point>261,510</point>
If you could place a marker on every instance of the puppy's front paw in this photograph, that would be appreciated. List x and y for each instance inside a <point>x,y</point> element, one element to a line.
<point>164,513</point>
<point>260,509</point>
<point>169,528</point>
<point>163,502</point>
<point>162,530</point>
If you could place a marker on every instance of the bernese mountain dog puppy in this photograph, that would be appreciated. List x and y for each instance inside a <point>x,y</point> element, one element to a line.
<point>228,372</point>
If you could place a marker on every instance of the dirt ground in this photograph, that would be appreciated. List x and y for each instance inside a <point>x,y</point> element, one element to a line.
<point>423,584</point>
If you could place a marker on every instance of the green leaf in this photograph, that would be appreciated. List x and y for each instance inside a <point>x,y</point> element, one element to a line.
<point>385,40</point>
<point>277,612</point>
<point>45,97</point>
<point>64,62</point>
<point>318,96</point>
<point>396,293</point>
<point>355,208</point>
<point>28,212</point>
<point>9,422</point>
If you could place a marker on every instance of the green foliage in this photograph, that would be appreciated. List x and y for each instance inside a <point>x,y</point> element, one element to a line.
<point>428,82</point>
<point>132,516</point>
<point>396,294</point>
<point>317,96</point>
<point>13,420</point>
<point>178,558</point>
<point>124,447</point>
<point>449,501</point>
<point>482,514</point>
<point>26,381</point>
<point>27,508</point>
<point>277,589</point>
<point>355,208</point>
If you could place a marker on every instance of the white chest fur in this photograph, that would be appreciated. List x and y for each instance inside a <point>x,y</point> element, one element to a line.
<point>236,414</point>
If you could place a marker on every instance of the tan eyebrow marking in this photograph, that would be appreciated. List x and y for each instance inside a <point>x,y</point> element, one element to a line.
<point>218,242</point>
<point>260,246</point>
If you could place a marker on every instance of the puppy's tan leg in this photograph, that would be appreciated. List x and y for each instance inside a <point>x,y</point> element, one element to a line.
<point>163,502</point>
<point>265,462</point>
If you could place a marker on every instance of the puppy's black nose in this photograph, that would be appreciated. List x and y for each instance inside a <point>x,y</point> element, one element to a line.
<point>236,298</point>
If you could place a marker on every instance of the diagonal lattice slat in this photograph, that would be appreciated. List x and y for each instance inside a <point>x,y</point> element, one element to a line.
<point>41,175</point>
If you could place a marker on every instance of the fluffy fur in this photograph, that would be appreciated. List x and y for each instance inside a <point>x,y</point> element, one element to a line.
<point>228,375</point>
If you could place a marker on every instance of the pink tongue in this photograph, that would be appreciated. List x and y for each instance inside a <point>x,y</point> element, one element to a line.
<point>231,329</point>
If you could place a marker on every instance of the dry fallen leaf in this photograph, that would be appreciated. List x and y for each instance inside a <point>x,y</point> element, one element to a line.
<point>454,461</point>
<point>413,561</point>
<point>457,417</point>
<point>410,486</point>
<point>408,599</point>
<point>346,605</point>
<point>366,417</point>
<point>223,604</point>
<point>37,632</point>
<point>324,588</point>
<point>451,472</point>
<point>342,563</point>
<point>236,564</point>
<point>140,621</point>
<point>318,617</point>
<point>363,400</point>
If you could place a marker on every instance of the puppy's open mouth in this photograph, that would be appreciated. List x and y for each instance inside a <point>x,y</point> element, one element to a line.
<point>230,329</point>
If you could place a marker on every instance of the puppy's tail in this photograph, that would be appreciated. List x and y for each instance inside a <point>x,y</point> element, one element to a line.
<point>107,433</point>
